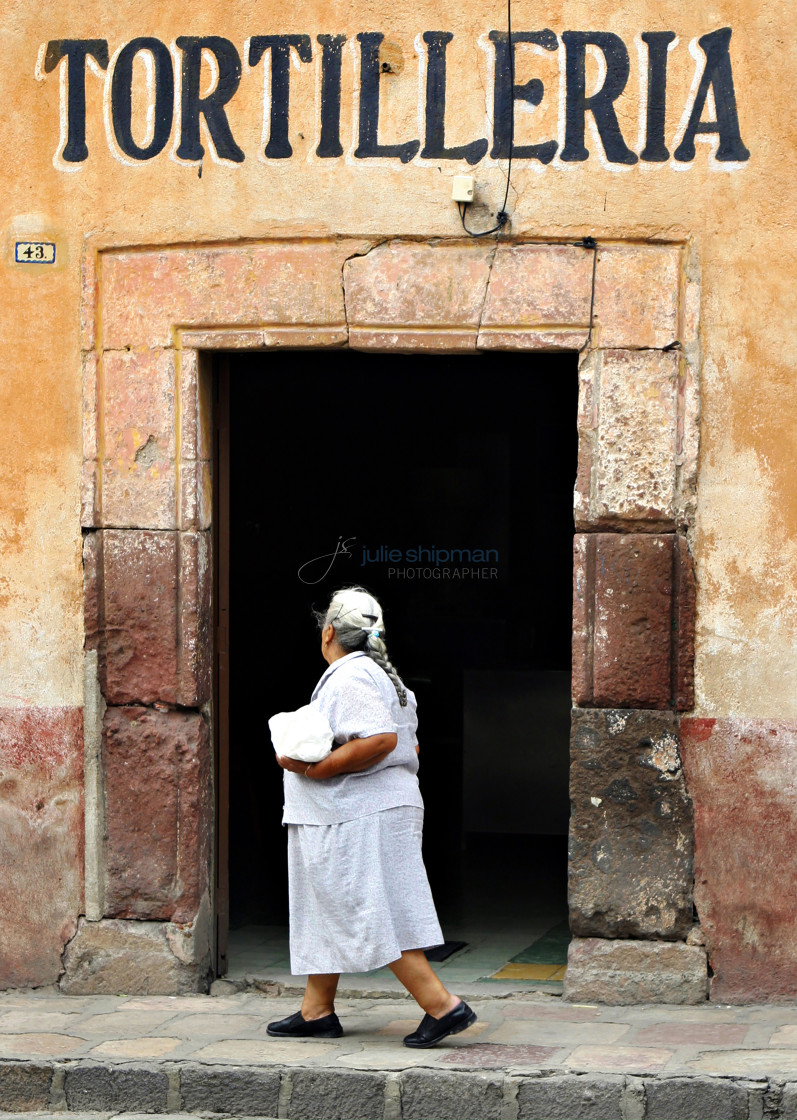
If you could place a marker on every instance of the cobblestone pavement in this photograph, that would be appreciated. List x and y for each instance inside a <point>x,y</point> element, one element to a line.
<point>529,1056</point>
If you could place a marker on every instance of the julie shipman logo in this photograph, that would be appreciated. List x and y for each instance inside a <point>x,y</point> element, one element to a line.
<point>418,562</point>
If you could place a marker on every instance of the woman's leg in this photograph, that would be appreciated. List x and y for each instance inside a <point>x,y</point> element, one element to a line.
<point>422,982</point>
<point>319,995</point>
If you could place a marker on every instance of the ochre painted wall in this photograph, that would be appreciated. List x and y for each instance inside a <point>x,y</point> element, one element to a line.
<point>740,220</point>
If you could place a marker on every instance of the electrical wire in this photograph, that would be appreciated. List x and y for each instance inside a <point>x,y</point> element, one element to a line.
<point>502,217</point>
<point>589,243</point>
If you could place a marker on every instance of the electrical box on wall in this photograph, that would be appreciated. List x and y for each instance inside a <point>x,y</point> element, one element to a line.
<point>462,188</point>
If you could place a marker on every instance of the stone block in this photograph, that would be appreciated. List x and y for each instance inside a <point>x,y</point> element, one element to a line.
<point>158,812</point>
<point>147,602</point>
<point>630,868</point>
<point>41,840</point>
<point>88,299</point>
<point>633,621</point>
<point>196,495</point>
<point>195,648</point>
<point>535,291</point>
<point>241,1092</point>
<point>627,972</point>
<point>90,516</point>
<point>410,295</point>
<point>196,432</point>
<point>629,439</point>
<point>788,1102</point>
<point>335,1094</point>
<point>24,1087</point>
<point>137,498</point>
<point>94,1088</point>
<point>431,1095</point>
<point>741,775</point>
<point>695,1098</point>
<point>113,957</point>
<point>90,434</point>
<point>637,295</point>
<point>138,437</point>
<point>145,295</point>
<point>570,1097</point>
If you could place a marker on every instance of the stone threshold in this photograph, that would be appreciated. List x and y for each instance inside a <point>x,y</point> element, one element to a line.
<point>384,989</point>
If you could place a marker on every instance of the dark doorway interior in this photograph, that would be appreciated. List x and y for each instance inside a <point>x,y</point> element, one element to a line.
<point>401,453</point>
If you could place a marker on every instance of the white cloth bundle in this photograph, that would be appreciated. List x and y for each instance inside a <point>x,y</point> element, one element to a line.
<point>304,734</point>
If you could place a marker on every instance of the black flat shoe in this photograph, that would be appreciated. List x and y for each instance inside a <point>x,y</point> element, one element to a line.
<point>297,1027</point>
<point>431,1030</point>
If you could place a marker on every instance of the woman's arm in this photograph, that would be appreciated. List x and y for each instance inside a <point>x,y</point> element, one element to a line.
<point>349,758</point>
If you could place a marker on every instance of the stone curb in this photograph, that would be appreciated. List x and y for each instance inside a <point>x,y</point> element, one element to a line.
<point>318,1093</point>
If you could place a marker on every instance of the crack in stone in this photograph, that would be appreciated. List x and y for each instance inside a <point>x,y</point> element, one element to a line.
<point>486,291</point>
<point>351,257</point>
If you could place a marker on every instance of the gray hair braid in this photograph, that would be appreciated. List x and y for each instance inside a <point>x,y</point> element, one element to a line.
<point>357,618</point>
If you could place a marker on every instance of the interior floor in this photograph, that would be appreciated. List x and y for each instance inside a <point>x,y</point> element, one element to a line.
<point>505,898</point>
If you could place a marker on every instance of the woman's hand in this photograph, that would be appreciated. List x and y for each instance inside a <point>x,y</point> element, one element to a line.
<point>349,758</point>
<point>295,765</point>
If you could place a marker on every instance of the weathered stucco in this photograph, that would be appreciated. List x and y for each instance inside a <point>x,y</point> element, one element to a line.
<point>737,222</point>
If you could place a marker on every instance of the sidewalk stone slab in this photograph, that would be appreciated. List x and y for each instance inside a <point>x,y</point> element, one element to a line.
<point>328,1095</point>
<point>244,1092</point>
<point>751,1063</point>
<point>691,1098</point>
<point>560,1034</point>
<point>136,1048</point>
<point>39,1045</point>
<point>497,1056</point>
<point>428,1095</point>
<point>570,1098</point>
<point>98,1088</point>
<point>242,1050</point>
<point>618,1058</point>
<point>680,1034</point>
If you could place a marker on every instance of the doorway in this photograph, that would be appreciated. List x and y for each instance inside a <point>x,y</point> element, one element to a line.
<point>450,480</point>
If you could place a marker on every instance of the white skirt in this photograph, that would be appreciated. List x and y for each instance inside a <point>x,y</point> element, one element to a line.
<point>359,895</point>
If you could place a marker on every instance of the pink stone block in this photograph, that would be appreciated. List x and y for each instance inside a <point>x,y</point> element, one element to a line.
<point>139,500</point>
<point>741,776</point>
<point>147,598</point>
<point>196,495</point>
<point>90,516</point>
<point>89,290</point>
<point>628,440</point>
<point>138,438</point>
<point>146,296</point>
<point>158,813</point>
<point>538,285</point>
<point>41,840</point>
<point>527,338</point>
<point>637,294</point>
<point>139,390</point>
<point>411,341</point>
<point>90,436</point>
<point>403,286</point>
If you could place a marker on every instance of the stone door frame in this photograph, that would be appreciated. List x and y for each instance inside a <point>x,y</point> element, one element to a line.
<point>150,317</point>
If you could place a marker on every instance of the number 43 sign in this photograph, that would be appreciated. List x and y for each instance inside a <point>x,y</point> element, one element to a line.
<point>34,252</point>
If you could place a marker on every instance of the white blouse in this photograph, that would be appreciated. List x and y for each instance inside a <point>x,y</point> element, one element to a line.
<point>359,699</point>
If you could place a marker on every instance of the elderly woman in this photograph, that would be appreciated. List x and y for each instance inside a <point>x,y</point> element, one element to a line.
<point>359,895</point>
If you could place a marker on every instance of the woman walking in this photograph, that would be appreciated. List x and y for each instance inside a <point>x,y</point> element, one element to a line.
<point>359,895</point>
